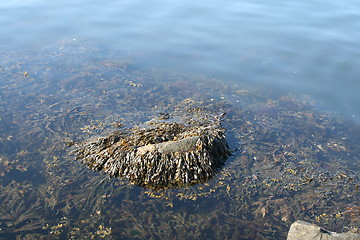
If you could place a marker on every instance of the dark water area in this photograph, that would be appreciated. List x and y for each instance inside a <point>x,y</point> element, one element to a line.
<point>284,73</point>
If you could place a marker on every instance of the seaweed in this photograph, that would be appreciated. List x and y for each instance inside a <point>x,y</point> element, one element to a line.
<point>164,155</point>
<point>290,160</point>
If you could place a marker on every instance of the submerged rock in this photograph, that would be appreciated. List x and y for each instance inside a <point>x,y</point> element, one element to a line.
<point>307,231</point>
<point>161,155</point>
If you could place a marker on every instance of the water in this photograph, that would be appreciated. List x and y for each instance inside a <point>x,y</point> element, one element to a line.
<point>68,71</point>
<point>309,47</point>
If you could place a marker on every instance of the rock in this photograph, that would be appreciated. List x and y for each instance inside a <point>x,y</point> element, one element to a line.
<point>301,230</point>
<point>164,154</point>
<point>184,145</point>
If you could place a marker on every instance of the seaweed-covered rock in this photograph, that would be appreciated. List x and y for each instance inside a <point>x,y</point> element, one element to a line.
<point>164,154</point>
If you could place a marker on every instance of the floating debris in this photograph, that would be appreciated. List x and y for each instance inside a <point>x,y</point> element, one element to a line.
<point>162,155</point>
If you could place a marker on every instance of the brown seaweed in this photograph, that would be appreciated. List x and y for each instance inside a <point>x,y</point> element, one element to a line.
<point>164,155</point>
<point>294,160</point>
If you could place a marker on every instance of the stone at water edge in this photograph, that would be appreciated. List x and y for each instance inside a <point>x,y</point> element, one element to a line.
<point>301,230</point>
<point>162,154</point>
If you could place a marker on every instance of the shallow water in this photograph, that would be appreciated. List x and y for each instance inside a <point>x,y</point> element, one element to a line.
<point>309,47</point>
<point>283,73</point>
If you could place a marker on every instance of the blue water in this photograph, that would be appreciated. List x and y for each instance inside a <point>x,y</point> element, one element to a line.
<point>307,47</point>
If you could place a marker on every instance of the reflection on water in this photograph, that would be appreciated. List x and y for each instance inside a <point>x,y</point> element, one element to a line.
<point>290,161</point>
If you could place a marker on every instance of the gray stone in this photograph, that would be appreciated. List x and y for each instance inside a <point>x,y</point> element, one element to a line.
<point>184,145</point>
<point>301,230</point>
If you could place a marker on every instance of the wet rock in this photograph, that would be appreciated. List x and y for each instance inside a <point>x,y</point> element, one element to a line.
<point>164,154</point>
<point>307,231</point>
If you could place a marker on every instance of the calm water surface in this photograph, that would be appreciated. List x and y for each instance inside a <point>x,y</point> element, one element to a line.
<point>308,47</point>
<point>63,69</point>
